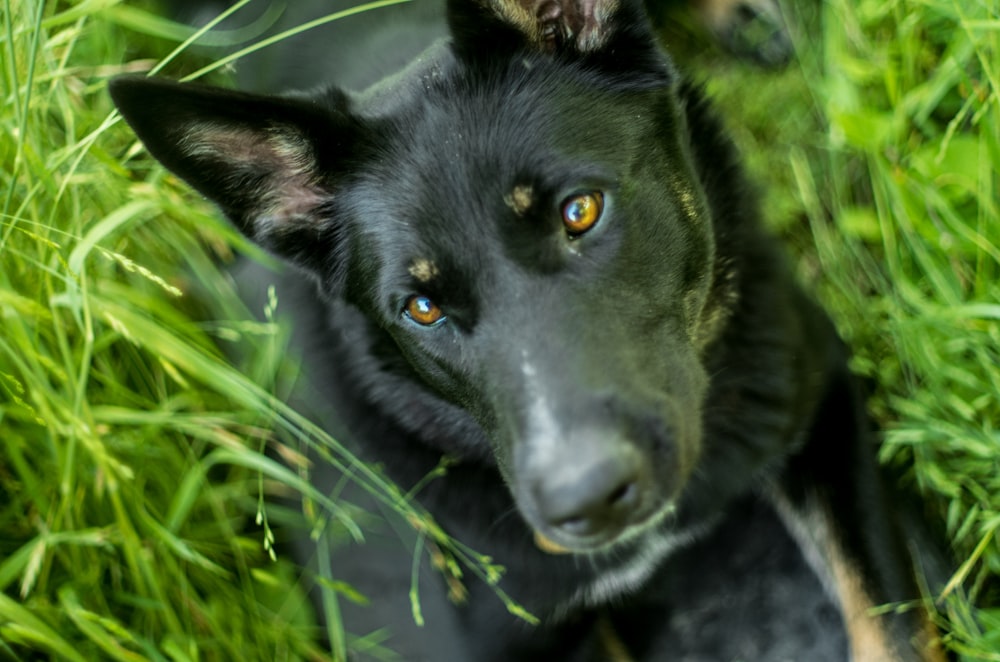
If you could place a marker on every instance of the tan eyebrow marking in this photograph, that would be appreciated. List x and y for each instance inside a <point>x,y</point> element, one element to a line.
<point>520,199</point>
<point>423,269</point>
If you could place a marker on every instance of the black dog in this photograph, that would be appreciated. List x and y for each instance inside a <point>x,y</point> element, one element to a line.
<point>533,250</point>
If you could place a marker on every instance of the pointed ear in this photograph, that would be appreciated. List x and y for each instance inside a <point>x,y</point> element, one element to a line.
<point>269,163</point>
<point>614,33</point>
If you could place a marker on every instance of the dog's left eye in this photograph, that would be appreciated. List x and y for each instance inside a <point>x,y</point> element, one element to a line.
<point>423,311</point>
<point>581,212</point>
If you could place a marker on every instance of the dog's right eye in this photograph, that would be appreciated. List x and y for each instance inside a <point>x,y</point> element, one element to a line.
<point>423,311</point>
<point>581,212</point>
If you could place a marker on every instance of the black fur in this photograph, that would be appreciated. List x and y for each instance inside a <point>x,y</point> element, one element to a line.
<point>625,392</point>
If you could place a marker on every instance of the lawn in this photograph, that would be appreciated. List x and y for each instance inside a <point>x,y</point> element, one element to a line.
<point>138,394</point>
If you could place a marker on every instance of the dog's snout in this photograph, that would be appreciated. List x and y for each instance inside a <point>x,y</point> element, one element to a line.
<point>592,497</point>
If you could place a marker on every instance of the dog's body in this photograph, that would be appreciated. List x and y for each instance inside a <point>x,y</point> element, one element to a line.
<point>533,250</point>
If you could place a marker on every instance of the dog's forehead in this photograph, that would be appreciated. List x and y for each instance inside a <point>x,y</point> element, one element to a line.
<point>467,164</point>
<point>457,135</point>
<point>461,171</point>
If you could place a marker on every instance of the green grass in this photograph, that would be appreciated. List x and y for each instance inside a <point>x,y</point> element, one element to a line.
<point>880,148</point>
<point>116,404</point>
<point>911,261</point>
<point>131,472</point>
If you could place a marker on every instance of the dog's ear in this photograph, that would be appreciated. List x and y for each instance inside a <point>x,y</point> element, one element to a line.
<point>614,34</point>
<point>269,163</point>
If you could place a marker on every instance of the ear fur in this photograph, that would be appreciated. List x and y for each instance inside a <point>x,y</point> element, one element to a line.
<point>613,35</point>
<point>260,159</point>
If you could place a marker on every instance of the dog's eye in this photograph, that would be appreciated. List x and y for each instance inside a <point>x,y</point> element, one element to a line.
<point>423,311</point>
<point>581,212</point>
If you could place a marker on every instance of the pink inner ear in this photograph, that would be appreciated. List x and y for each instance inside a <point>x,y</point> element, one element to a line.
<point>582,24</point>
<point>294,205</point>
<point>289,191</point>
<point>591,19</point>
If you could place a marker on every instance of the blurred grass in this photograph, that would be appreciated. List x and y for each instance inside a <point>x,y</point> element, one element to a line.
<point>131,475</point>
<point>129,466</point>
<point>904,206</point>
<point>880,149</point>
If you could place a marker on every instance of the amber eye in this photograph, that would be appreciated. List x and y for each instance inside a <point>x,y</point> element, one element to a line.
<point>581,212</point>
<point>423,311</point>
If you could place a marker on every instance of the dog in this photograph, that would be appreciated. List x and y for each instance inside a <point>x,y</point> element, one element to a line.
<point>533,250</point>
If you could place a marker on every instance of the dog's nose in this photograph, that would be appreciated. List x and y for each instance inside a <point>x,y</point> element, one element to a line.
<point>591,498</point>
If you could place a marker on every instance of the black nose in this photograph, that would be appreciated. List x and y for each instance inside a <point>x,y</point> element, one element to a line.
<point>587,498</point>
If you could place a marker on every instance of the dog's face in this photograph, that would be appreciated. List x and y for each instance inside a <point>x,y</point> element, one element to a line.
<point>520,214</point>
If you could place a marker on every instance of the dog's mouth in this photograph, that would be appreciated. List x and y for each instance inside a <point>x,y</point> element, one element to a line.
<point>550,546</point>
<point>596,477</point>
<point>601,490</point>
<point>558,543</point>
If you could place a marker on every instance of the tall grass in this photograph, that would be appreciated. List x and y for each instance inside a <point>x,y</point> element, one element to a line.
<point>132,475</point>
<point>117,406</point>
<point>880,151</point>
<point>911,260</point>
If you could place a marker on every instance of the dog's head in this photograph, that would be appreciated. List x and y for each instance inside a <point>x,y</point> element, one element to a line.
<point>520,214</point>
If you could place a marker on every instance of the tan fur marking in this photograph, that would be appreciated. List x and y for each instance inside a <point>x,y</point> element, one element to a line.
<point>423,270</point>
<point>868,641</point>
<point>815,534</point>
<point>520,199</point>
